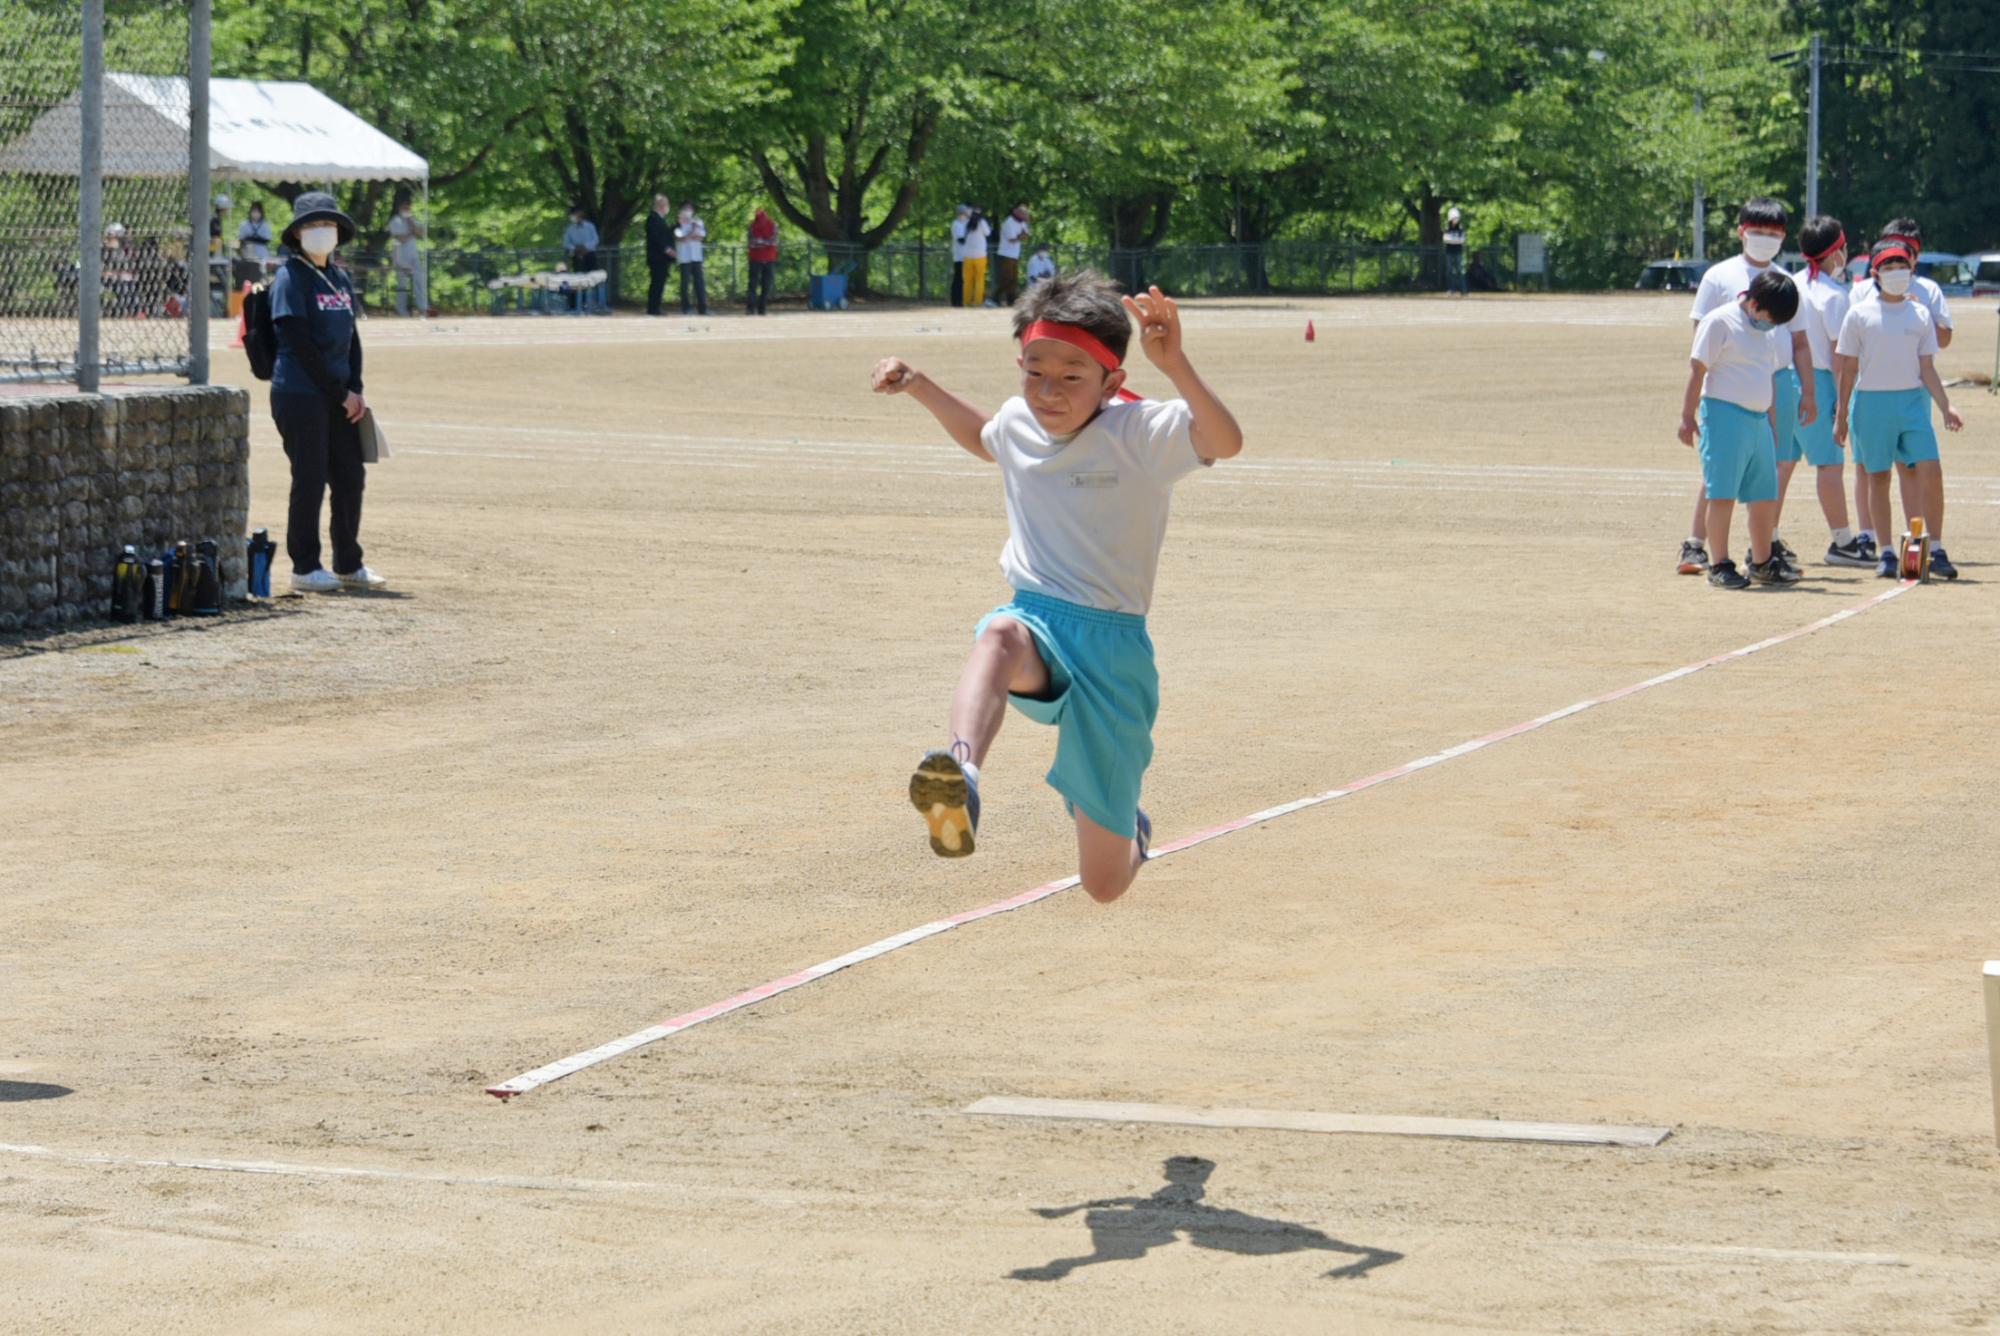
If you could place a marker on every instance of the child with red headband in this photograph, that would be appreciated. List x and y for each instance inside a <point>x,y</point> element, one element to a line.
<point>1089,469</point>
<point>1886,359</point>
<point>1823,304</point>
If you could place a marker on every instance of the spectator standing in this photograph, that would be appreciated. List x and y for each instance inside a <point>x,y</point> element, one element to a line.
<point>958,254</point>
<point>1454,253</point>
<point>218,256</point>
<point>316,396</point>
<point>1013,231</point>
<point>689,235</point>
<point>763,261</point>
<point>406,230</point>
<point>659,252</point>
<point>977,230</point>
<point>255,234</point>
<point>1041,265</point>
<point>580,248</point>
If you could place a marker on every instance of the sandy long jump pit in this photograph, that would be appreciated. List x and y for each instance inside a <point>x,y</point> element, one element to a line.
<point>1481,820</point>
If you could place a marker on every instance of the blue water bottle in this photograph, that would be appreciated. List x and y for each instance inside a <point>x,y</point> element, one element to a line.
<point>261,551</point>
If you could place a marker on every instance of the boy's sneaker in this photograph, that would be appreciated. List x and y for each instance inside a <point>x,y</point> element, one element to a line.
<point>1772,570</point>
<point>1145,835</point>
<point>361,579</point>
<point>949,801</point>
<point>321,581</point>
<point>1885,567</point>
<point>1784,550</point>
<point>1694,558</point>
<point>1853,552</point>
<point>1941,567</point>
<point>1724,575</point>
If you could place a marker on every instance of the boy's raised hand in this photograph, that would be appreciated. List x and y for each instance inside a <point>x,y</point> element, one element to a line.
<point>1159,325</point>
<point>893,375</point>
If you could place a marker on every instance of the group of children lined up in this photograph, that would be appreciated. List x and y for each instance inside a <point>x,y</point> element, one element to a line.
<point>1787,368</point>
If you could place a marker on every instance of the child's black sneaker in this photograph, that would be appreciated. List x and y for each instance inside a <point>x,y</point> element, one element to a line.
<point>949,801</point>
<point>1694,558</point>
<point>1941,567</point>
<point>1853,552</point>
<point>1145,835</point>
<point>1724,575</point>
<point>1784,549</point>
<point>1772,570</point>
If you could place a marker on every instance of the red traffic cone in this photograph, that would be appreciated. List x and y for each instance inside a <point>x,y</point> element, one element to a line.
<point>1309,331</point>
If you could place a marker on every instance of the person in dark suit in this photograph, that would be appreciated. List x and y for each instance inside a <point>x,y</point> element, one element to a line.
<point>659,252</point>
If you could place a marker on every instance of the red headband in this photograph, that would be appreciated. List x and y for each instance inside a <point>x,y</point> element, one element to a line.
<point>1812,261</point>
<point>1911,242</point>
<point>1076,336</point>
<point>1892,253</point>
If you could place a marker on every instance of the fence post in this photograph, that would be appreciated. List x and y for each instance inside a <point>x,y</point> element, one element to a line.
<point>198,64</point>
<point>90,204</point>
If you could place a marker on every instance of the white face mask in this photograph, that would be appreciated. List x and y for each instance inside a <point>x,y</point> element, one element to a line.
<point>1895,281</point>
<point>318,240</point>
<point>1762,247</point>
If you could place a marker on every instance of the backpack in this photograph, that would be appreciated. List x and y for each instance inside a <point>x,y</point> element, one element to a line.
<point>260,336</point>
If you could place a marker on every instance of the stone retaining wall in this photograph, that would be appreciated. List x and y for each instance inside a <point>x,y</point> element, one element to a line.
<point>83,475</point>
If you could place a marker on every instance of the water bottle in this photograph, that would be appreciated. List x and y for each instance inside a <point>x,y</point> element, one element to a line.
<point>128,586</point>
<point>155,604</point>
<point>206,586</point>
<point>180,589</point>
<point>262,549</point>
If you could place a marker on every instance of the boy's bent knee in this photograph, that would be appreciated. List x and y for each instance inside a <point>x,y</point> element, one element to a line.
<point>1008,636</point>
<point>1105,889</point>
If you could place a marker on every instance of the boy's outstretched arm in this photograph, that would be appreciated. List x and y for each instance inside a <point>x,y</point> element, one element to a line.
<point>961,421</point>
<point>1214,429</point>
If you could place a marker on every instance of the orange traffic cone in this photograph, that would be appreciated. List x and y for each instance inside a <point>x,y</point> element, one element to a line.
<point>1309,331</point>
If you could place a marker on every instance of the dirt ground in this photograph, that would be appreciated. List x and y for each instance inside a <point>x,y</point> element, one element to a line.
<point>676,603</point>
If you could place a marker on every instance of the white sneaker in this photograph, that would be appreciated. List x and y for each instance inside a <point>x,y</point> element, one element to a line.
<point>361,579</point>
<point>321,581</point>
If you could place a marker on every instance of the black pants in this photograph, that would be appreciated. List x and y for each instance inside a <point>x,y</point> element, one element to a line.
<point>763,274</point>
<point>958,283</point>
<point>580,262</point>
<point>691,273</point>
<point>325,450</point>
<point>656,286</point>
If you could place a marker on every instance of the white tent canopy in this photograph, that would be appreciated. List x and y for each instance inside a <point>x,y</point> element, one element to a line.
<point>258,130</point>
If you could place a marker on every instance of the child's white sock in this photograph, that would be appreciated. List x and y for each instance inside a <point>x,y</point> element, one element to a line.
<point>1842,537</point>
<point>1698,542</point>
<point>1869,534</point>
<point>971,773</point>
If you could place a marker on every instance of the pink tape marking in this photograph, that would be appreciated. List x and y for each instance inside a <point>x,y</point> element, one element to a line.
<point>576,1062</point>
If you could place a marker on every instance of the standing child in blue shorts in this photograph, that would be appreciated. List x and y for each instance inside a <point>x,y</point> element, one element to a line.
<point>1089,471</point>
<point>1823,305</point>
<point>1732,379</point>
<point>1886,358</point>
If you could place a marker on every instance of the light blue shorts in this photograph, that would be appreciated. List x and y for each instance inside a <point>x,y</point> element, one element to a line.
<point>1739,460</point>
<point>1890,427</point>
<point>1104,695</point>
<point>1815,441</point>
<point>1785,388</point>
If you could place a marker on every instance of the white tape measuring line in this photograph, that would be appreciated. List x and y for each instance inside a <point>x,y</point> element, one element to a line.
<point>576,1062</point>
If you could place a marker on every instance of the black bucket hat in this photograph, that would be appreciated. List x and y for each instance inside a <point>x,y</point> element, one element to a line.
<point>316,206</point>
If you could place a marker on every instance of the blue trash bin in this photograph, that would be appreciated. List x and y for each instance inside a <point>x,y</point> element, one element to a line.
<point>828,292</point>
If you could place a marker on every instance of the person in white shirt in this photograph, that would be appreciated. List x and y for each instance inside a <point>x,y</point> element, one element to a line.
<point>1823,305</point>
<point>958,254</point>
<point>1089,470</point>
<point>1013,230</point>
<point>1886,360</point>
<point>405,230</point>
<point>690,234</point>
<point>253,238</point>
<point>1731,395</point>
<point>1454,253</point>
<point>1930,296</point>
<point>1761,223</point>
<point>1041,265</point>
<point>977,230</point>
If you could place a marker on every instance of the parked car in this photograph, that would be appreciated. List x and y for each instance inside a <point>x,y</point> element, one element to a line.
<point>1985,273</point>
<point>1672,275</point>
<point>1954,273</point>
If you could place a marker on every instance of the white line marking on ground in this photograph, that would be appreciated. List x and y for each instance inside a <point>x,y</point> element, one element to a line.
<point>338,1171</point>
<point>1733,1252</point>
<point>576,1062</point>
<point>1291,1120</point>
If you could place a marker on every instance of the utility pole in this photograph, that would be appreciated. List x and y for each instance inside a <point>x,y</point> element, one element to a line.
<point>1814,59</point>
<point>1700,250</point>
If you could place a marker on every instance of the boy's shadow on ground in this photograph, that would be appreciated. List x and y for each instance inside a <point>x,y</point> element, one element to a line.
<point>19,1092</point>
<point>1124,1229</point>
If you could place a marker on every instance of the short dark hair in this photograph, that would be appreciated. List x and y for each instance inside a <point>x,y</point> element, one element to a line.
<point>1819,234</point>
<point>1763,211</point>
<point>1903,227</point>
<point>1887,244</point>
<point>1776,295</point>
<point>1084,298</point>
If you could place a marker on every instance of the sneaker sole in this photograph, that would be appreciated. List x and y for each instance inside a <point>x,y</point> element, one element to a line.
<point>1692,568</point>
<point>939,792</point>
<point>1858,563</point>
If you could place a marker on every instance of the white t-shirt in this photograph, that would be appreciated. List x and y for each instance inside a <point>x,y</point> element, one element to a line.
<point>688,238</point>
<point>1888,338</point>
<point>1012,229</point>
<point>975,240</point>
<point>957,240</point>
<point>1726,281</point>
<point>1086,515</point>
<point>1740,358</point>
<point>1823,303</point>
<point>1922,290</point>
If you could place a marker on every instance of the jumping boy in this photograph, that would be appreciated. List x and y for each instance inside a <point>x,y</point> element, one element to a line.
<point>1886,358</point>
<point>1761,223</point>
<point>1930,296</point>
<point>1823,298</point>
<point>1089,471</point>
<point>1732,378</point>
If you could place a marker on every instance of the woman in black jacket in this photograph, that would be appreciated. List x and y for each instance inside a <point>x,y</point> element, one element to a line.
<point>316,395</point>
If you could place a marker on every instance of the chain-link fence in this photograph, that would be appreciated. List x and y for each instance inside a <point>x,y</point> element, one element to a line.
<point>143,242</point>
